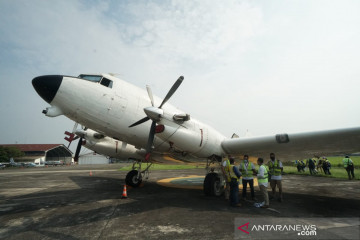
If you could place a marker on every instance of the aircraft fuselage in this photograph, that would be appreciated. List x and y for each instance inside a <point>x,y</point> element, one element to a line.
<point>109,105</point>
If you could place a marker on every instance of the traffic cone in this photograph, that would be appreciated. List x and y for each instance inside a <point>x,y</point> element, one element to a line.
<point>124,194</point>
<point>90,173</point>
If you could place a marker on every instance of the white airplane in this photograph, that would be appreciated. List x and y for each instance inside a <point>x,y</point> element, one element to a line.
<point>113,107</point>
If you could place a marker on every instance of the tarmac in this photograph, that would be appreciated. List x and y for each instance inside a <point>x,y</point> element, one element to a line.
<point>68,203</point>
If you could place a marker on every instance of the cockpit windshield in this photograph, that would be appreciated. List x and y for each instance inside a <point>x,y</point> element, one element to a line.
<point>97,79</point>
<point>92,78</point>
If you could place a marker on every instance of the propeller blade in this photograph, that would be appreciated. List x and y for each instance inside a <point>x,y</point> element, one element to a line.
<point>75,127</point>
<point>172,90</point>
<point>150,94</point>
<point>140,122</point>
<point>151,137</point>
<point>78,148</point>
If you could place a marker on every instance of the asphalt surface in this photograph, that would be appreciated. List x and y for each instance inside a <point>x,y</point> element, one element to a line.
<point>68,203</point>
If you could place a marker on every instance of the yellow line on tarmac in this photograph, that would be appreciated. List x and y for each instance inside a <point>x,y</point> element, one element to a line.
<point>167,158</point>
<point>167,182</point>
<point>176,182</point>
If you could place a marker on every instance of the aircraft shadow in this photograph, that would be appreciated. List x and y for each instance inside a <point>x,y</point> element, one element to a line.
<point>85,204</point>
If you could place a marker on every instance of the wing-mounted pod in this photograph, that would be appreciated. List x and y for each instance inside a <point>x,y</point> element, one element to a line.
<point>181,117</point>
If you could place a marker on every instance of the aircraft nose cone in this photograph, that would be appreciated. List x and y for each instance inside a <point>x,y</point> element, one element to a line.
<point>47,86</point>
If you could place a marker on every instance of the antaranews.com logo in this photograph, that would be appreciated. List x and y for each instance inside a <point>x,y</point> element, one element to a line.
<point>298,228</point>
<point>303,230</point>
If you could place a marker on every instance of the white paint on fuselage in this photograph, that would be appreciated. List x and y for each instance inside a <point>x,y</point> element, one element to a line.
<point>110,147</point>
<point>111,111</point>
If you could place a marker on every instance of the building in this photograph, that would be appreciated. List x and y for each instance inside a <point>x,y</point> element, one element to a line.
<point>43,152</point>
<point>93,158</point>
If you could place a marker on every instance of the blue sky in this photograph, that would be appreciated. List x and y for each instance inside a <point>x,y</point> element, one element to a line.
<point>262,66</point>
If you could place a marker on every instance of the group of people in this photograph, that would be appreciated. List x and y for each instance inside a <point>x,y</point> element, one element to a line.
<point>266,173</point>
<point>271,172</point>
<point>315,165</point>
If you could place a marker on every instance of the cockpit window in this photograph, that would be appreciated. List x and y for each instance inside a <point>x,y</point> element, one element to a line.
<point>106,82</point>
<point>92,78</point>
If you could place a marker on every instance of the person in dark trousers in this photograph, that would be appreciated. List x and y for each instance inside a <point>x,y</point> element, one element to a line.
<point>349,167</point>
<point>234,184</point>
<point>300,166</point>
<point>311,165</point>
<point>247,170</point>
<point>326,167</point>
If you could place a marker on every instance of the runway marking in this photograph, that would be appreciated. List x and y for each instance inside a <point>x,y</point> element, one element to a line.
<point>167,158</point>
<point>189,182</point>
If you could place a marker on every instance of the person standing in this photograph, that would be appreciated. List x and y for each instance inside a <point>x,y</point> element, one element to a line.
<point>234,184</point>
<point>247,170</point>
<point>225,167</point>
<point>319,166</point>
<point>263,182</point>
<point>300,166</point>
<point>349,167</point>
<point>326,166</point>
<point>275,169</point>
<point>311,165</point>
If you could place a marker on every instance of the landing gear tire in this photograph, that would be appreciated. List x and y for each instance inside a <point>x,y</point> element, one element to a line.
<point>212,185</point>
<point>132,179</point>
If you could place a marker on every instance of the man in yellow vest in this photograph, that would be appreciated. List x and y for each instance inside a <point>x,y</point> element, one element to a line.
<point>349,167</point>
<point>275,169</point>
<point>263,183</point>
<point>234,184</point>
<point>247,170</point>
<point>225,167</point>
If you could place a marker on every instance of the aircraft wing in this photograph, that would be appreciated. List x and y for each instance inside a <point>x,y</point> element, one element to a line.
<point>298,145</point>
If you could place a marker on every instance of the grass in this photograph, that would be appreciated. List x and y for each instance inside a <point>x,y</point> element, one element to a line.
<point>162,167</point>
<point>335,161</point>
<point>336,172</point>
<point>337,168</point>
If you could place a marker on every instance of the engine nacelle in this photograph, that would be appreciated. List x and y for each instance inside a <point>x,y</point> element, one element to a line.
<point>52,111</point>
<point>197,140</point>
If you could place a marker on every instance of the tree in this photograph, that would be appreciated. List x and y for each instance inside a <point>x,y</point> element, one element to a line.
<point>9,152</point>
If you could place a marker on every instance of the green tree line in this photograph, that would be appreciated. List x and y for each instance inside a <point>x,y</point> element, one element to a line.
<point>9,152</point>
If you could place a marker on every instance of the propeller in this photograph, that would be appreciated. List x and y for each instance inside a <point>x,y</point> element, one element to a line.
<point>155,114</point>
<point>78,148</point>
<point>71,137</point>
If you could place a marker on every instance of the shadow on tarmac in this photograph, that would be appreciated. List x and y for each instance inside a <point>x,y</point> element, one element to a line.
<point>99,199</point>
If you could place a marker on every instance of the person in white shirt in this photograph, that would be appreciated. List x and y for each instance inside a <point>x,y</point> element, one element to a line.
<point>263,183</point>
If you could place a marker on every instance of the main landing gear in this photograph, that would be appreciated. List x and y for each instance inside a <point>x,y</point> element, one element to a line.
<point>136,175</point>
<point>214,181</point>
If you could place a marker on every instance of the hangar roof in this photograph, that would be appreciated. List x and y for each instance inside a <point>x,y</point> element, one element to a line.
<point>35,147</point>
